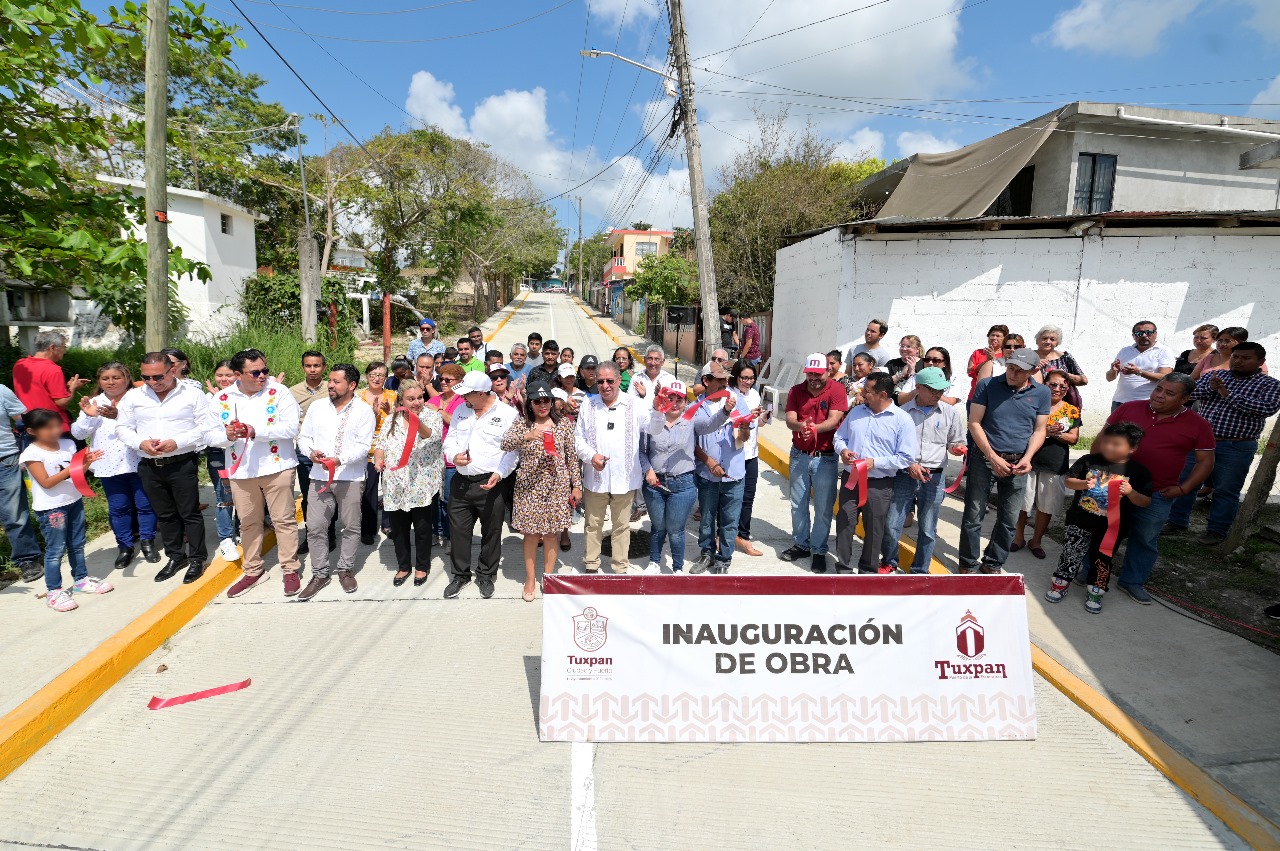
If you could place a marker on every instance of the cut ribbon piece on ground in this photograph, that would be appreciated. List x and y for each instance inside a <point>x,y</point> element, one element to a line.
<point>1114,497</point>
<point>693,409</point>
<point>410,438</point>
<point>858,478</point>
<point>964,465</point>
<point>165,702</point>
<point>78,477</point>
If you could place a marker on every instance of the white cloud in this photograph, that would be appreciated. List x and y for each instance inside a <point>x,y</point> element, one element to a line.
<point>1264,104</point>
<point>612,11</point>
<point>431,100</point>
<point>913,142</point>
<point>1265,18</point>
<point>1130,27</point>
<point>864,142</point>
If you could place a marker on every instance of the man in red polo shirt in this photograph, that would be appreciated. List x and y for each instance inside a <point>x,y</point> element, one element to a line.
<point>38,380</point>
<point>1171,431</point>
<point>815,408</point>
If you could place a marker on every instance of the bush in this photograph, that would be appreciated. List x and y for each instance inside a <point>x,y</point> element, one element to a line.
<point>278,297</point>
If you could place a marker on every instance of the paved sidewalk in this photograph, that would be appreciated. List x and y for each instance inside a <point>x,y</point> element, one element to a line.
<point>391,717</point>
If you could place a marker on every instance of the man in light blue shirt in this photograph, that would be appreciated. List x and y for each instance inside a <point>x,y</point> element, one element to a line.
<point>14,512</point>
<point>883,435</point>
<point>427,344</point>
<point>721,472</point>
<point>519,365</point>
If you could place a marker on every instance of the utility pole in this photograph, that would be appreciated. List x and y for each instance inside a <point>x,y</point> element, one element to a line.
<point>155,166</point>
<point>582,292</point>
<point>697,186</point>
<point>308,254</point>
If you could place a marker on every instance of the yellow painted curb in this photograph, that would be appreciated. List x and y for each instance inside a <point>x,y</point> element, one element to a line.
<point>507,318</point>
<point>1246,822</point>
<point>51,710</point>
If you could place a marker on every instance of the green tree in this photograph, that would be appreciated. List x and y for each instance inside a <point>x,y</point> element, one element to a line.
<point>58,226</point>
<point>595,253</point>
<point>665,279</point>
<point>781,183</point>
<point>641,225</point>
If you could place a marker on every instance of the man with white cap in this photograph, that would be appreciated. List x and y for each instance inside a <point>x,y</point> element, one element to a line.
<point>940,428</point>
<point>474,445</point>
<point>613,464</point>
<point>815,408</point>
<point>1008,416</point>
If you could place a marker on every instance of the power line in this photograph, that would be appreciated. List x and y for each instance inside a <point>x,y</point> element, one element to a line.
<point>793,29</point>
<point>355,12</point>
<point>604,96</point>
<point>577,103</point>
<point>750,29</point>
<point>420,40</point>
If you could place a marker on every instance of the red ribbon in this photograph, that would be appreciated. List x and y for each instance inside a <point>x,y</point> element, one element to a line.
<point>78,477</point>
<point>164,702</point>
<point>964,465</point>
<point>858,478</point>
<point>330,464</point>
<point>549,442</point>
<point>1114,497</point>
<point>693,409</point>
<point>408,438</point>
<point>740,420</point>
<point>224,472</point>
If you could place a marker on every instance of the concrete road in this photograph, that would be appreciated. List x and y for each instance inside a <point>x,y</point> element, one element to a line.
<point>394,718</point>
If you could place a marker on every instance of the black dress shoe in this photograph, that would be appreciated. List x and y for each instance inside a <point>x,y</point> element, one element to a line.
<point>399,580</point>
<point>150,551</point>
<point>171,569</point>
<point>195,569</point>
<point>422,580</point>
<point>367,540</point>
<point>124,557</point>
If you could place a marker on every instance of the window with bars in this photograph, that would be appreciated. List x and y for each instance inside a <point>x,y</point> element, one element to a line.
<point>644,249</point>
<point>1095,183</point>
<point>226,223</point>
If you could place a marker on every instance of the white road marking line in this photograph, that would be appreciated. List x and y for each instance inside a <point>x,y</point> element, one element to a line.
<point>582,813</point>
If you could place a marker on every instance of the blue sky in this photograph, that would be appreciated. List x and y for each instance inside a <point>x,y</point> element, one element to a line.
<point>526,92</point>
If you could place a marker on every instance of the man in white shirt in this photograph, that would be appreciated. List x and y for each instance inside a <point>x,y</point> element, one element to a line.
<point>260,421</point>
<point>168,421</point>
<point>608,443</point>
<point>474,445</point>
<point>875,332</point>
<point>1140,367</point>
<point>643,383</point>
<point>336,436</point>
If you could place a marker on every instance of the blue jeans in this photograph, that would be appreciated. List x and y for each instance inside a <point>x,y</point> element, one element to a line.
<point>1231,462</point>
<point>224,512</point>
<point>977,487</point>
<point>819,474</point>
<point>1143,547</point>
<point>442,507</point>
<point>669,514</point>
<point>927,496</point>
<point>128,509</point>
<point>64,532</point>
<point>14,513</point>
<point>721,503</point>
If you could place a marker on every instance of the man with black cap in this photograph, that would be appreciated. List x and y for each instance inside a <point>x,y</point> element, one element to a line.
<point>1007,420</point>
<point>474,445</point>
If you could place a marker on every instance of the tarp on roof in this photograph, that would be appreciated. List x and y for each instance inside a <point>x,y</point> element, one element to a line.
<point>964,183</point>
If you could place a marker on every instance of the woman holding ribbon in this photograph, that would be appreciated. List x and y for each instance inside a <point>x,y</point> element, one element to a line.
<point>407,455</point>
<point>548,481</point>
<point>128,509</point>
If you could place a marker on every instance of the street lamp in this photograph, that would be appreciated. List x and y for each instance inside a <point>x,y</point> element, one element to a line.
<point>693,150</point>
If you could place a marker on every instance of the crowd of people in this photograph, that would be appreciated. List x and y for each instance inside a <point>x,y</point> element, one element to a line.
<point>446,438</point>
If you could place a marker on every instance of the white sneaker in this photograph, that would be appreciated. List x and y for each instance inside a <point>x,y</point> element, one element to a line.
<point>60,601</point>
<point>228,550</point>
<point>653,567</point>
<point>635,569</point>
<point>567,569</point>
<point>92,585</point>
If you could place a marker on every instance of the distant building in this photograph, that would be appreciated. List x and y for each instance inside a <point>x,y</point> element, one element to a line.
<point>629,247</point>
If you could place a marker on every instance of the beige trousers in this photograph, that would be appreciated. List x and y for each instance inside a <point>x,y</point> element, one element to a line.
<point>619,507</point>
<point>271,494</point>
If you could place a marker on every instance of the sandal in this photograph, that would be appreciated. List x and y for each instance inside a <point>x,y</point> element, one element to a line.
<point>400,578</point>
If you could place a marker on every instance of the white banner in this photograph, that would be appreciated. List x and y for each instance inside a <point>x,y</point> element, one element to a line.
<point>785,659</point>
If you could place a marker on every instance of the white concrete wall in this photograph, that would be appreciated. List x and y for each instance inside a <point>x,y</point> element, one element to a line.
<point>948,289</point>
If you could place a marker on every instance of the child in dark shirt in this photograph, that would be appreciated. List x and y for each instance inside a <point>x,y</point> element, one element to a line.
<point>1087,521</point>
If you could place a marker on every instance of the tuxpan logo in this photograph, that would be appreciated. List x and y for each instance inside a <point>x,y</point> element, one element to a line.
<point>590,630</point>
<point>971,641</point>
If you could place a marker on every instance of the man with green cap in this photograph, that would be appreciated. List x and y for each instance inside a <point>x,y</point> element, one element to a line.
<point>940,429</point>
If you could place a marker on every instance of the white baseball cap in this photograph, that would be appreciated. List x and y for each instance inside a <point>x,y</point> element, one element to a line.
<point>474,382</point>
<point>816,362</point>
<point>560,394</point>
<point>676,388</point>
<point>566,369</point>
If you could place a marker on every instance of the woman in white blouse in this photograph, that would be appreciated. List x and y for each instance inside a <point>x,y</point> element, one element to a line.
<point>743,380</point>
<point>128,508</point>
<point>409,492</point>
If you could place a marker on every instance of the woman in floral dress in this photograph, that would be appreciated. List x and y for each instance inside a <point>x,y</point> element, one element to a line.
<point>548,483</point>
<point>409,492</point>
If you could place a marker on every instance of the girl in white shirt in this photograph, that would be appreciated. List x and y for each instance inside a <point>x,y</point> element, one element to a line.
<point>225,521</point>
<point>128,508</point>
<point>743,380</point>
<point>59,507</point>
